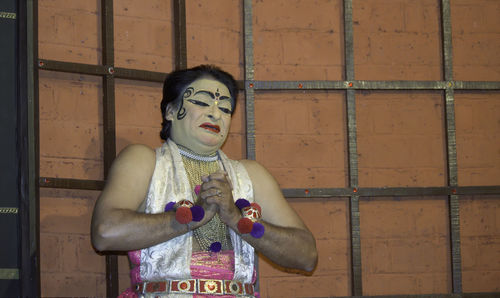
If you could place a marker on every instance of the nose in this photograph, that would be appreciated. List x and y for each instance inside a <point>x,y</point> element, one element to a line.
<point>214,113</point>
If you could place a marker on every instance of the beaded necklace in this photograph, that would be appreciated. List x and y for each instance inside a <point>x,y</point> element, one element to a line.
<point>215,230</point>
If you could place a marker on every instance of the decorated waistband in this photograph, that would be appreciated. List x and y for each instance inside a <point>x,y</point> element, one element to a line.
<point>196,286</point>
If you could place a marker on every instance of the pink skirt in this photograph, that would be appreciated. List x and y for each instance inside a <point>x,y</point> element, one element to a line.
<point>206,265</point>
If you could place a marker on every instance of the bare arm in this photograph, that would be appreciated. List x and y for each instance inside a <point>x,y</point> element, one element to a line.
<point>286,240</point>
<point>118,223</point>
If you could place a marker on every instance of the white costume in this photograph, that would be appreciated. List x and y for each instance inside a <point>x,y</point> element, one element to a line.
<point>171,260</point>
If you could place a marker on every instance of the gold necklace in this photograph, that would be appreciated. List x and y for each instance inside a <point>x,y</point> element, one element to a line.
<point>214,230</point>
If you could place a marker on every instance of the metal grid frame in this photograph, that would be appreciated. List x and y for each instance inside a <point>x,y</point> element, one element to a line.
<point>109,73</point>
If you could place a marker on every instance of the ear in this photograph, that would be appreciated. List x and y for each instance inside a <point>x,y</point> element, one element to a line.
<point>170,112</point>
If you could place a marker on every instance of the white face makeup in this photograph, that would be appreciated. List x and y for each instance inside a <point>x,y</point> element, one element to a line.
<point>201,123</point>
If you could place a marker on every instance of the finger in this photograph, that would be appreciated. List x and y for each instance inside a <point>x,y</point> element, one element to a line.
<point>205,178</point>
<point>212,192</point>
<point>212,184</point>
<point>221,177</point>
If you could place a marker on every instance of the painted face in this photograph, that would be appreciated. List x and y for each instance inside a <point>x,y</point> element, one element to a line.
<point>201,122</point>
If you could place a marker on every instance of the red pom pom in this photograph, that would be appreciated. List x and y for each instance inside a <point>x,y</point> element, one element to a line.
<point>183,215</point>
<point>255,205</point>
<point>245,225</point>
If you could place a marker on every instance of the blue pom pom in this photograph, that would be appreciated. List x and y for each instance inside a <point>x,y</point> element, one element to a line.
<point>169,206</point>
<point>198,212</point>
<point>242,203</point>
<point>257,230</point>
<point>215,247</point>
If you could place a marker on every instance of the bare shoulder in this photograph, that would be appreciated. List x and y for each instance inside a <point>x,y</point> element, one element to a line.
<point>137,152</point>
<point>254,168</point>
<point>129,177</point>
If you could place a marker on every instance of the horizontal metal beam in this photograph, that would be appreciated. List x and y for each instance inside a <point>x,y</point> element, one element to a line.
<point>389,191</point>
<point>372,85</point>
<point>48,182</point>
<point>101,70</point>
<point>80,68</point>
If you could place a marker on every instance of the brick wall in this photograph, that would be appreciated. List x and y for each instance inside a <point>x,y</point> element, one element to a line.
<point>300,135</point>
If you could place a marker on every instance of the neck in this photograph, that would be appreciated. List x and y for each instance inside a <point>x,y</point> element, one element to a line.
<point>193,155</point>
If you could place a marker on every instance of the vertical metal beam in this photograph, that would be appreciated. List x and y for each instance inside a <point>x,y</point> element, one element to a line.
<point>249,78</point>
<point>454,206</point>
<point>180,47</point>
<point>108,102</point>
<point>27,109</point>
<point>357,287</point>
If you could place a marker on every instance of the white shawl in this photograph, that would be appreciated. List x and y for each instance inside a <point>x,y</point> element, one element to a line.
<point>171,259</point>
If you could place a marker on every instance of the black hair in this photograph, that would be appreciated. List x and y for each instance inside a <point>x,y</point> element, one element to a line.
<point>177,81</point>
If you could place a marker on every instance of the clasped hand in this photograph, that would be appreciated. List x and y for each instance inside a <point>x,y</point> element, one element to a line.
<point>216,197</point>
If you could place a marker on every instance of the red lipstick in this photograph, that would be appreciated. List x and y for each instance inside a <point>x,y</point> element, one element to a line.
<point>211,127</point>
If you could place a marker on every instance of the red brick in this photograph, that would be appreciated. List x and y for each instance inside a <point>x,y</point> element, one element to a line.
<point>475,16</point>
<point>153,9</point>
<point>72,284</point>
<point>477,113</point>
<point>479,216</point>
<point>316,48</point>
<point>422,16</point>
<point>70,97</point>
<point>138,103</point>
<point>88,260</point>
<point>314,212</point>
<point>401,139</point>
<point>299,151</point>
<point>480,253</point>
<point>69,33</point>
<point>300,177</point>
<point>235,146</point>
<point>477,151</point>
<point>67,213</point>
<point>418,256</point>
<point>70,252</point>
<point>50,253</point>
<point>379,16</point>
<point>143,44</point>
<point>71,168</point>
<point>69,53</point>
<point>400,151</point>
<point>403,217</point>
<point>478,176</point>
<point>238,120</point>
<point>312,286</point>
<point>400,284</point>
<point>126,135</point>
<point>216,14</point>
<point>82,6</point>
<point>477,132</point>
<point>290,15</point>
<point>333,257</point>
<point>475,40</point>
<point>475,282</point>
<point>396,72</point>
<point>272,72</point>
<point>70,140</point>
<point>268,48</point>
<point>399,113</point>
<point>386,40</point>
<point>402,177</point>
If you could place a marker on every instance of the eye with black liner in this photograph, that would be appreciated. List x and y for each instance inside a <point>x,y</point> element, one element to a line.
<point>197,102</point>
<point>225,110</point>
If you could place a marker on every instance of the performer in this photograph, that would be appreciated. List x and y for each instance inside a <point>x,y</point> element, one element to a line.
<point>189,217</point>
